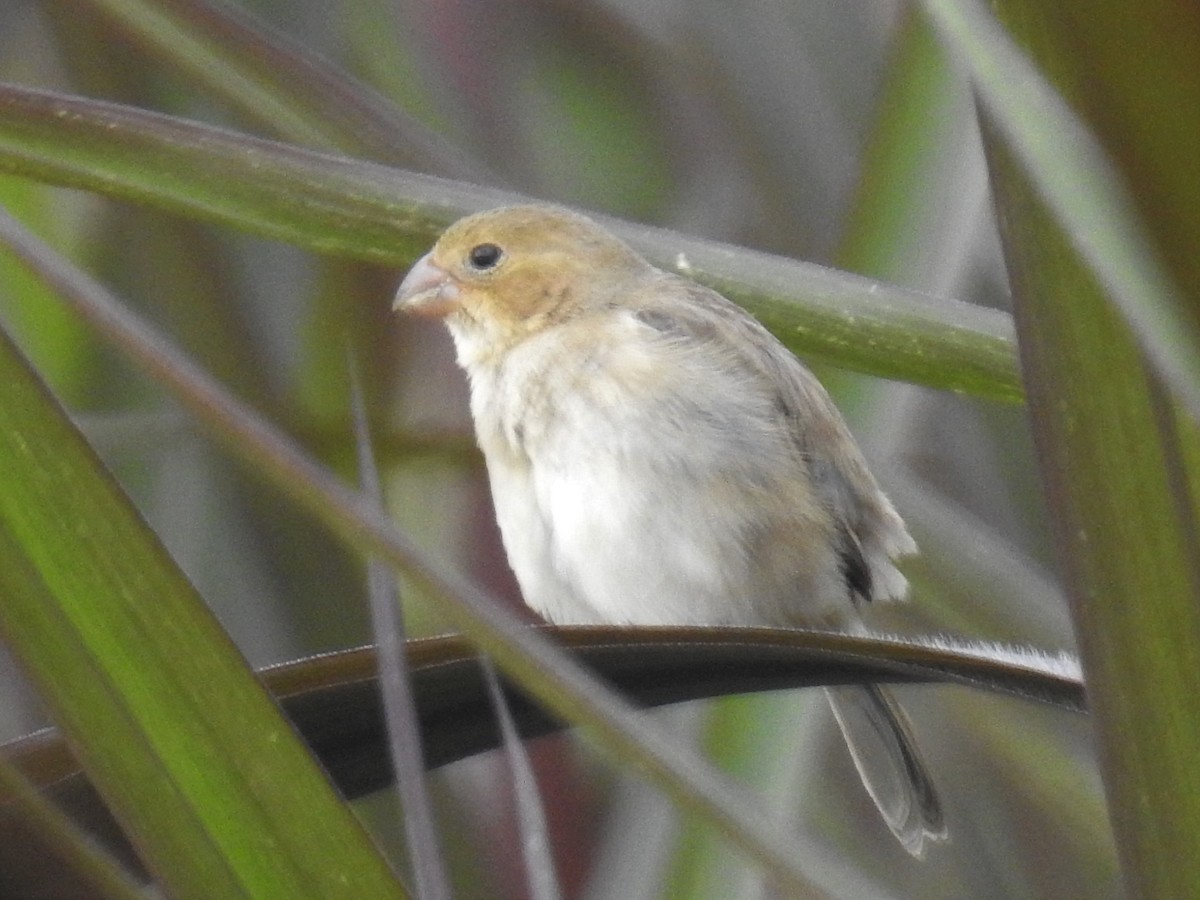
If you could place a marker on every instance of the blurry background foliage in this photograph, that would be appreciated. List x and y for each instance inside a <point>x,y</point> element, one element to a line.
<point>831,131</point>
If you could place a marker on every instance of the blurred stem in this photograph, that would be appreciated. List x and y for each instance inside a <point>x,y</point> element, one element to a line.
<point>73,848</point>
<point>914,118</point>
<point>274,82</point>
<point>341,206</point>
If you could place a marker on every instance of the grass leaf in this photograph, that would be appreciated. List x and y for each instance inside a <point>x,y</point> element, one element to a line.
<point>341,206</point>
<point>193,757</point>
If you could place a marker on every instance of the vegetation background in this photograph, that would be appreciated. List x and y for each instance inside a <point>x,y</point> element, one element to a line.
<point>839,133</point>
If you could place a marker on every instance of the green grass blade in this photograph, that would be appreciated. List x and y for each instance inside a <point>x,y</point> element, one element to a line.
<point>1094,305</point>
<point>1110,459</point>
<point>78,862</point>
<point>341,206</point>
<point>298,95</point>
<point>1111,456</point>
<point>1079,185</point>
<point>549,675</point>
<point>193,757</point>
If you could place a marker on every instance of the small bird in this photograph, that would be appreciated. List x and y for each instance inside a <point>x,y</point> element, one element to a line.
<point>657,457</point>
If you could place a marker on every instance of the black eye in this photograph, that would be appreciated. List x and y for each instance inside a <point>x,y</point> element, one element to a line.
<point>484,256</point>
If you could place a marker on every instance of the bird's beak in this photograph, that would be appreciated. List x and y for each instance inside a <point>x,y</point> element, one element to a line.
<point>427,290</point>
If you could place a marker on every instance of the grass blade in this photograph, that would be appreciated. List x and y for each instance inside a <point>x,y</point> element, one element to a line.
<point>1114,455</point>
<point>395,685</point>
<point>297,94</point>
<point>341,206</point>
<point>1081,188</point>
<point>194,758</point>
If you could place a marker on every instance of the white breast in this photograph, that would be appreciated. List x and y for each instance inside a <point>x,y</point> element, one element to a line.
<point>625,495</point>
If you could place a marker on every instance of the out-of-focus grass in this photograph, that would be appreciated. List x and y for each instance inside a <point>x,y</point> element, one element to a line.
<point>755,136</point>
<point>145,682</point>
<point>1105,306</point>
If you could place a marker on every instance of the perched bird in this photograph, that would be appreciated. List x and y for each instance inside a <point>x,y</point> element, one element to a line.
<point>657,457</point>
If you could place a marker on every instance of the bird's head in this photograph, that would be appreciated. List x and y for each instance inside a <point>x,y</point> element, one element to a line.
<point>507,273</point>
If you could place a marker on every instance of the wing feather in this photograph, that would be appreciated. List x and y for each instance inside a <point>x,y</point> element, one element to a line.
<point>870,532</point>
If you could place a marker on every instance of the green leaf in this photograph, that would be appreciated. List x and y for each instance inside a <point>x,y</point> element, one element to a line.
<point>341,206</point>
<point>193,757</point>
<point>1109,452</point>
<point>562,686</point>
<point>290,90</point>
<point>1077,182</point>
<point>33,827</point>
<point>1115,454</point>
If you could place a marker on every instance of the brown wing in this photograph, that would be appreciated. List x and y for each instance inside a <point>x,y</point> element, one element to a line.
<point>871,533</point>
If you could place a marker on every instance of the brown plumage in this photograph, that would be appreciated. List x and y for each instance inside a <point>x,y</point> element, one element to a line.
<point>657,457</point>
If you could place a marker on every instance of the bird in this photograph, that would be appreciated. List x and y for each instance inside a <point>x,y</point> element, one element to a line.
<point>657,457</point>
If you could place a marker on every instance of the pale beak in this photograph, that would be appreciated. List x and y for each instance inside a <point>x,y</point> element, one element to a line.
<point>427,290</point>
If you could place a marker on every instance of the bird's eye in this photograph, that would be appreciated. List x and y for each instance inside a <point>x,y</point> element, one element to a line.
<point>484,256</point>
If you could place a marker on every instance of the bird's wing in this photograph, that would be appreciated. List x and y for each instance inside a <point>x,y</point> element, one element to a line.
<point>870,531</point>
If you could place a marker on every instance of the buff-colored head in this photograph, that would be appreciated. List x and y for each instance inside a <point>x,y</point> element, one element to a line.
<point>514,271</point>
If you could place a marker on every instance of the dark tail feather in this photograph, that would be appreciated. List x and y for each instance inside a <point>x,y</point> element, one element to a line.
<point>880,738</point>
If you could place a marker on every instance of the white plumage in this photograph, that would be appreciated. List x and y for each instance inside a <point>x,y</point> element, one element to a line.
<point>657,457</point>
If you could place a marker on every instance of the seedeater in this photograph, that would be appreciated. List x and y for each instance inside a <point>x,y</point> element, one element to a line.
<point>657,457</point>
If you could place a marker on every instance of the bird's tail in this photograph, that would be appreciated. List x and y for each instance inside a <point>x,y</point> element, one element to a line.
<point>881,742</point>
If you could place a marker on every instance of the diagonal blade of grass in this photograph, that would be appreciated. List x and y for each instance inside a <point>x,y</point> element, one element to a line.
<point>541,668</point>
<point>395,682</point>
<point>1112,457</point>
<point>342,206</point>
<point>1104,339</point>
<point>74,854</point>
<point>1122,520</point>
<point>1080,187</point>
<point>196,761</point>
<point>298,95</point>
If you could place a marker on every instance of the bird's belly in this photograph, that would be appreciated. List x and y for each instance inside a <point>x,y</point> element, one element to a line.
<point>631,554</point>
<point>528,533</point>
<point>601,545</point>
<point>617,511</point>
